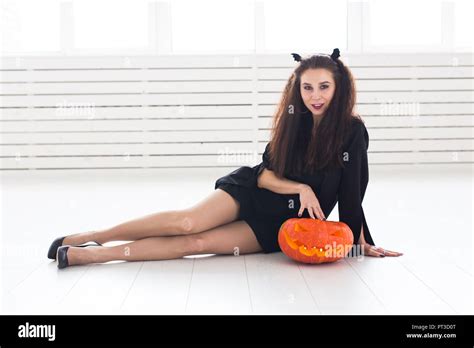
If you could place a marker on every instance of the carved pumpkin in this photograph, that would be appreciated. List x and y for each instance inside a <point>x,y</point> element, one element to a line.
<point>315,241</point>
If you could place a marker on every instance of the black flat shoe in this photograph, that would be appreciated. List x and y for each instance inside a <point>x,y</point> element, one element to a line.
<point>63,262</point>
<point>58,242</point>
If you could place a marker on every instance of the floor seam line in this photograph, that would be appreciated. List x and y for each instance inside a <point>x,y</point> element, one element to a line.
<point>189,286</point>
<point>28,275</point>
<point>73,285</point>
<point>131,285</point>
<point>310,292</point>
<point>368,287</point>
<point>248,284</point>
<point>429,287</point>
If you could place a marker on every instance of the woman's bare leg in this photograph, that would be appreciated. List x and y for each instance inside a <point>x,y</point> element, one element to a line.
<point>217,209</point>
<point>233,238</point>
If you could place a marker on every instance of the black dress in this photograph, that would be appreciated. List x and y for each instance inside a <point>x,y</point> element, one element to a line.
<point>265,211</point>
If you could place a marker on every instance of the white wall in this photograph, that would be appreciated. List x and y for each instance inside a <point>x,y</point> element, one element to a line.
<point>215,111</point>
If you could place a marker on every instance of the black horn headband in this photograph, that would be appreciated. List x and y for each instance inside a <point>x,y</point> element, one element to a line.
<point>334,55</point>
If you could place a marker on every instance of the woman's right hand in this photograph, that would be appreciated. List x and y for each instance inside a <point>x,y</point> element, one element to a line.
<point>309,201</point>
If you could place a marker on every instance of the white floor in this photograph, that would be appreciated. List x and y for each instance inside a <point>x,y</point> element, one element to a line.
<point>423,211</point>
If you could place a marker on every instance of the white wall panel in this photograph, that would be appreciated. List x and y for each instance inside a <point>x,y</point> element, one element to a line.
<point>215,111</point>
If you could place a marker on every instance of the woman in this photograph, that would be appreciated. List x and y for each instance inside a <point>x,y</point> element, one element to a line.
<point>317,156</point>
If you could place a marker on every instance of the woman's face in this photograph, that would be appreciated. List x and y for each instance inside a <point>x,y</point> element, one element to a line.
<point>317,89</point>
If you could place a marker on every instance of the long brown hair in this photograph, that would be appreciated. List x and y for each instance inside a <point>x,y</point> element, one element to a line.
<point>295,145</point>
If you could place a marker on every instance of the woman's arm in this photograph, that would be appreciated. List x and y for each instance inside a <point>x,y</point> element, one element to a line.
<point>351,192</point>
<point>268,180</point>
<point>353,184</point>
<point>308,200</point>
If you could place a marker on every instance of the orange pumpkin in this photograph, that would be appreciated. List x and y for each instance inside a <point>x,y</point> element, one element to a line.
<point>315,241</point>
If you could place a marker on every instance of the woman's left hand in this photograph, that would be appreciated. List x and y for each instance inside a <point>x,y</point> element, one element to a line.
<point>372,250</point>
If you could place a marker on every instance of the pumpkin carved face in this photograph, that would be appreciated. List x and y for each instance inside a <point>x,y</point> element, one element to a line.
<point>315,241</point>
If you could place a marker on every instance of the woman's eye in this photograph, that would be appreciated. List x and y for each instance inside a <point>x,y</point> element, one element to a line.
<point>307,88</point>
<point>324,86</point>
